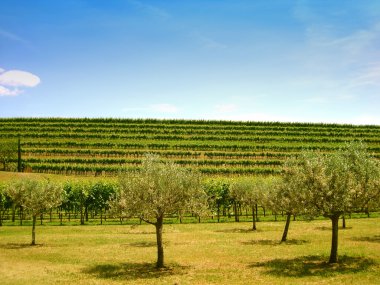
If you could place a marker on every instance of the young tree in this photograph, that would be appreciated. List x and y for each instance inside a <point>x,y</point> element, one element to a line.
<point>333,186</point>
<point>250,192</point>
<point>157,190</point>
<point>79,194</point>
<point>218,191</point>
<point>5,202</point>
<point>365,174</point>
<point>35,196</point>
<point>285,195</point>
<point>99,195</point>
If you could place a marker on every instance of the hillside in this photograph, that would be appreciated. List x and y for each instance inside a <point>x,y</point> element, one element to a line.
<point>103,146</point>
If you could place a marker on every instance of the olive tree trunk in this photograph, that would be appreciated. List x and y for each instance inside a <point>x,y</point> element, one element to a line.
<point>236,210</point>
<point>334,238</point>
<point>160,248</point>
<point>253,219</point>
<point>34,230</point>
<point>285,233</point>
<point>218,212</point>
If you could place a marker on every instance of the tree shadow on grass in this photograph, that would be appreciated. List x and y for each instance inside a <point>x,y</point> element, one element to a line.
<point>275,242</point>
<point>238,231</point>
<point>132,232</point>
<point>143,244</point>
<point>19,245</point>
<point>375,238</point>
<point>133,271</point>
<point>146,243</point>
<point>314,266</point>
<point>323,228</point>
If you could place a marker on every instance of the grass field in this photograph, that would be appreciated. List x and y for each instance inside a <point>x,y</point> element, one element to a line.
<point>227,253</point>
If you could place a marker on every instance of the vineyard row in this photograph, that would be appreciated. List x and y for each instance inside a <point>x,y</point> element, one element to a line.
<point>16,130</point>
<point>257,139</point>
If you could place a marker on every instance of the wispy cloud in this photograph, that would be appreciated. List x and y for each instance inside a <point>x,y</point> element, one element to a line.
<point>338,60</point>
<point>317,100</point>
<point>254,117</point>
<point>12,36</point>
<point>366,120</point>
<point>11,81</point>
<point>150,9</point>
<point>357,41</point>
<point>225,108</point>
<point>9,92</point>
<point>367,76</point>
<point>164,108</point>
<point>345,45</point>
<point>155,108</point>
<point>207,42</point>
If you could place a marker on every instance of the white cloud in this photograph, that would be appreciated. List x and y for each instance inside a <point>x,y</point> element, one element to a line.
<point>8,92</point>
<point>134,109</point>
<point>369,76</point>
<point>157,108</point>
<point>254,116</point>
<point>12,80</point>
<point>366,120</point>
<point>225,108</point>
<point>317,100</point>
<point>19,78</point>
<point>164,108</point>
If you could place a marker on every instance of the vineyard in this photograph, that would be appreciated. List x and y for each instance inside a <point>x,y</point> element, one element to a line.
<point>104,146</point>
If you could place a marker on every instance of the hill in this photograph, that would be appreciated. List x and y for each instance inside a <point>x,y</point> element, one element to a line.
<point>102,146</point>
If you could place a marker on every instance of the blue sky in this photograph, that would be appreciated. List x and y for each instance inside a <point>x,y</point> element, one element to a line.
<point>279,60</point>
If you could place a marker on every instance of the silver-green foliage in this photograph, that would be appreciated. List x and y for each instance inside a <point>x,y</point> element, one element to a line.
<point>157,190</point>
<point>35,196</point>
<point>341,182</point>
<point>337,183</point>
<point>250,192</point>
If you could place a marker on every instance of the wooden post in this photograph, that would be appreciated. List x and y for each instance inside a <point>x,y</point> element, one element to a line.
<point>19,167</point>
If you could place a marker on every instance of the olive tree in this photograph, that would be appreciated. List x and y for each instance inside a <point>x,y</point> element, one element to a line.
<point>285,195</point>
<point>5,202</point>
<point>365,173</point>
<point>249,192</point>
<point>158,189</point>
<point>35,196</point>
<point>218,191</point>
<point>336,183</point>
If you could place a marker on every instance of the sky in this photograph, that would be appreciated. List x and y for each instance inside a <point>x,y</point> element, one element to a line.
<point>245,60</point>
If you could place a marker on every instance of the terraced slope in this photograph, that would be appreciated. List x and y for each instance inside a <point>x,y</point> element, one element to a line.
<point>103,146</point>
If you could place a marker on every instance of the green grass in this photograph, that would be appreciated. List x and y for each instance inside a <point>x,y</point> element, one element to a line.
<point>226,253</point>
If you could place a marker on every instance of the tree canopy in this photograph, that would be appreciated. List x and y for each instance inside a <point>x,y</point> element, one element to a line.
<point>158,189</point>
<point>35,196</point>
<point>336,183</point>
